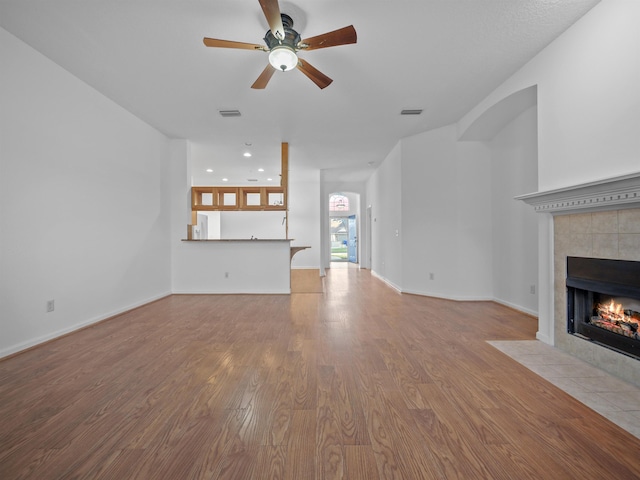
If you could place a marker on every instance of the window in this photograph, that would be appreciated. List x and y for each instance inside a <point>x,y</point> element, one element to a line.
<point>338,203</point>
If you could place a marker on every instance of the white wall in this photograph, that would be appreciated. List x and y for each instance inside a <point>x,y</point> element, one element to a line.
<point>83,204</point>
<point>256,224</point>
<point>588,88</point>
<point>474,184</point>
<point>429,218</point>
<point>248,266</point>
<point>588,102</point>
<point>446,216</point>
<point>463,235</point>
<point>385,197</point>
<point>304,217</point>
<point>514,171</point>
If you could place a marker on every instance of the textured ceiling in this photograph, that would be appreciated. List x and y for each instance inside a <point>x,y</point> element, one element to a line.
<point>443,56</point>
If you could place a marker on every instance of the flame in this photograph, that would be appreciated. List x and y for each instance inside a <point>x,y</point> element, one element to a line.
<point>615,308</point>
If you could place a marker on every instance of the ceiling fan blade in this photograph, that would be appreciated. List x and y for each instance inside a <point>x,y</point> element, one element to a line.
<point>214,42</point>
<point>265,76</point>
<point>342,36</point>
<point>316,76</point>
<point>271,11</point>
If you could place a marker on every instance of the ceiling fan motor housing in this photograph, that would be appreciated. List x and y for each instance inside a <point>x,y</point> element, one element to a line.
<point>291,37</point>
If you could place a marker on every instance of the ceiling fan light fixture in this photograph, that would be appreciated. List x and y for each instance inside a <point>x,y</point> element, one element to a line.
<point>283,58</point>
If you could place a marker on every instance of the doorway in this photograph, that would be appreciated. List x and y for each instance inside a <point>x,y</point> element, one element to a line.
<point>352,239</point>
<point>339,232</point>
<point>343,227</point>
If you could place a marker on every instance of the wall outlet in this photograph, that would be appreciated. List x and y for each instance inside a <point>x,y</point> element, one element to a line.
<point>431,276</point>
<point>532,289</point>
<point>51,305</point>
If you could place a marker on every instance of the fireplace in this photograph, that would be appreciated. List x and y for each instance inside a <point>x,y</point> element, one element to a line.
<point>598,219</point>
<point>603,302</point>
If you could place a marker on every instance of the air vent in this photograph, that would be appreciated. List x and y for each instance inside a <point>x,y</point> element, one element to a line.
<point>229,113</point>
<point>411,112</point>
<point>252,179</point>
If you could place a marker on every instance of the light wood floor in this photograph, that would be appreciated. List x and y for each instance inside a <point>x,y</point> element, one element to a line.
<point>306,280</point>
<point>358,382</point>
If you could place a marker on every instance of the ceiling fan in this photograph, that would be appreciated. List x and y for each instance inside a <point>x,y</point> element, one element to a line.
<point>283,43</point>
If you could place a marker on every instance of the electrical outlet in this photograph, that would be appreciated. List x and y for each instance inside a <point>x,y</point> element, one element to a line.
<point>532,289</point>
<point>51,305</point>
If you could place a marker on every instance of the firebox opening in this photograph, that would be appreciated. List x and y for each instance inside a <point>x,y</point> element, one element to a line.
<point>620,315</point>
<point>604,302</point>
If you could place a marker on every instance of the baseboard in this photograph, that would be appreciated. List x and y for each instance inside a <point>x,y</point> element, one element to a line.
<point>533,313</point>
<point>386,280</point>
<point>543,338</point>
<point>20,347</point>
<point>232,292</point>
<point>456,298</point>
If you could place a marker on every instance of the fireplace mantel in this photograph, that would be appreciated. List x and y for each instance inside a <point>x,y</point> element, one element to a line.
<point>607,194</point>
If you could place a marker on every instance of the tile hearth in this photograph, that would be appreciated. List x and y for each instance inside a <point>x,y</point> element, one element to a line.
<point>614,399</point>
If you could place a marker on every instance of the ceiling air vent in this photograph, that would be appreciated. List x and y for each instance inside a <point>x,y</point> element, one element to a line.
<point>229,113</point>
<point>252,179</point>
<point>411,112</point>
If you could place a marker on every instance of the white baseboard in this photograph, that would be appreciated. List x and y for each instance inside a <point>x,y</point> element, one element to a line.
<point>59,333</point>
<point>459,298</point>
<point>456,298</point>
<point>533,313</point>
<point>386,280</point>
<point>543,338</point>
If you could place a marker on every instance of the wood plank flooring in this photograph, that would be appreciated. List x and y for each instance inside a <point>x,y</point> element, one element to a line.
<point>306,280</point>
<point>358,382</point>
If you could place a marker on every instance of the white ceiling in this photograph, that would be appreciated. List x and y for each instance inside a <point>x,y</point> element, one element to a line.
<point>443,56</point>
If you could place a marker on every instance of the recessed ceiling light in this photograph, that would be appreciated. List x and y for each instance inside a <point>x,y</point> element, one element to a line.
<point>261,169</point>
<point>209,170</point>
<point>247,154</point>
<point>225,179</point>
<point>269,179</point>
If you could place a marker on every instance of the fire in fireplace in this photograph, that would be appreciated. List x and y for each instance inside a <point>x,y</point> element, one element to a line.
<point>603,299</point>
<point>613,317</point>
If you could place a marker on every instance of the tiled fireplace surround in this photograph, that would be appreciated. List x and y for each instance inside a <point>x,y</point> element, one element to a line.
<point>598,220</point>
